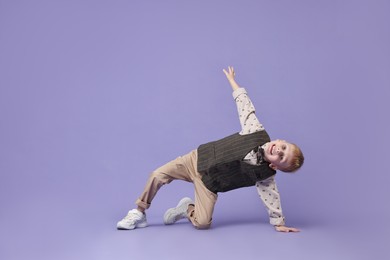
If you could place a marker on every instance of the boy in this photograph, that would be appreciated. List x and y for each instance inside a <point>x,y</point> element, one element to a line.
<point>248,158</point>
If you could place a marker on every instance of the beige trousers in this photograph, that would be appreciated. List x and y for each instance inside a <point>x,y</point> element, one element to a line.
<point>182,168</point>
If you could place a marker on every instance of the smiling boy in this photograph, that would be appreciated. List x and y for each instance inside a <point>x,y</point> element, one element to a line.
<point>247,158</point>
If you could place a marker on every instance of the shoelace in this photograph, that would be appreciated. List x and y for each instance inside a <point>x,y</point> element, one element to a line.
<point>131,216</point>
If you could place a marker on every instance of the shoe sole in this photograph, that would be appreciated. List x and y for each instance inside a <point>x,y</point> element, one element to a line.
<point>142,225</point>
<point>175,211</point>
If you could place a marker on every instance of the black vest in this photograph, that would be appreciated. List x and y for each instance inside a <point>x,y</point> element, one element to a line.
<point>220,162</point>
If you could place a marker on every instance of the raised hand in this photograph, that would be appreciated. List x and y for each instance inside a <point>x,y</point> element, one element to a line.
<point>230,74</point>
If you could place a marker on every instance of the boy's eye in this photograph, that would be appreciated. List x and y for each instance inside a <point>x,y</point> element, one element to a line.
<point>284,147</point>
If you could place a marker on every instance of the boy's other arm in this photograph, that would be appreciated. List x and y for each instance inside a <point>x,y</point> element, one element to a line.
<point>269,194</point>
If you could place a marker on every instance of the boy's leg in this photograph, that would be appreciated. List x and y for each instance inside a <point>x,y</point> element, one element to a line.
<point>182,168</point>
<point>201,213</point>
<point>174,170</point>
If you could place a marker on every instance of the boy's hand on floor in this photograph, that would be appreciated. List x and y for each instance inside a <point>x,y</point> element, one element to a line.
<point>286,229</point>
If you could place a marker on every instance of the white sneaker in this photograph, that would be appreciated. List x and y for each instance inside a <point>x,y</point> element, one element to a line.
<point>133,219</point>
<point>174,214</point>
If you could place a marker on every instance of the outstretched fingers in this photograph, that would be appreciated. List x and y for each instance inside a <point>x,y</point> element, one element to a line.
<point>230,74</point>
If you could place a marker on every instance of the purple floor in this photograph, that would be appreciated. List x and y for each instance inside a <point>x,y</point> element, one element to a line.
<point>74,226</point>
<point>94,95</point>
<point>51,230</point>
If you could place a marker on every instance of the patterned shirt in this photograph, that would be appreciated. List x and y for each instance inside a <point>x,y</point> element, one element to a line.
<point>266,189</point>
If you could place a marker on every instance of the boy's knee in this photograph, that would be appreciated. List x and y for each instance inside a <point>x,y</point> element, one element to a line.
<point>203,227</point>
<point>202,224</point>
<point>199,221</point>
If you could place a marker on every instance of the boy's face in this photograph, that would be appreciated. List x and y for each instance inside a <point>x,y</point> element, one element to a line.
<point>278,153</point>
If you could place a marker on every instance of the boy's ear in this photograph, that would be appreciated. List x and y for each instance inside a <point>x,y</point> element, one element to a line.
<point>273,166</point>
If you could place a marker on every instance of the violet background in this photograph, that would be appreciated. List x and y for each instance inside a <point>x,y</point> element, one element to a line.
<point>94,95</point>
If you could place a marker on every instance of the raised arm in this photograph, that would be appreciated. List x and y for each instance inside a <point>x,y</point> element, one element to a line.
<point>246,110</point>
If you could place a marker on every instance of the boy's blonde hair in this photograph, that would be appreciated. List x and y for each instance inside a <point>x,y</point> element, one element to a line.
<point>296,162</point>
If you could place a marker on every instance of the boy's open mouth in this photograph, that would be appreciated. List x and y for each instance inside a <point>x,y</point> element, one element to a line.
<point>271,149</point>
